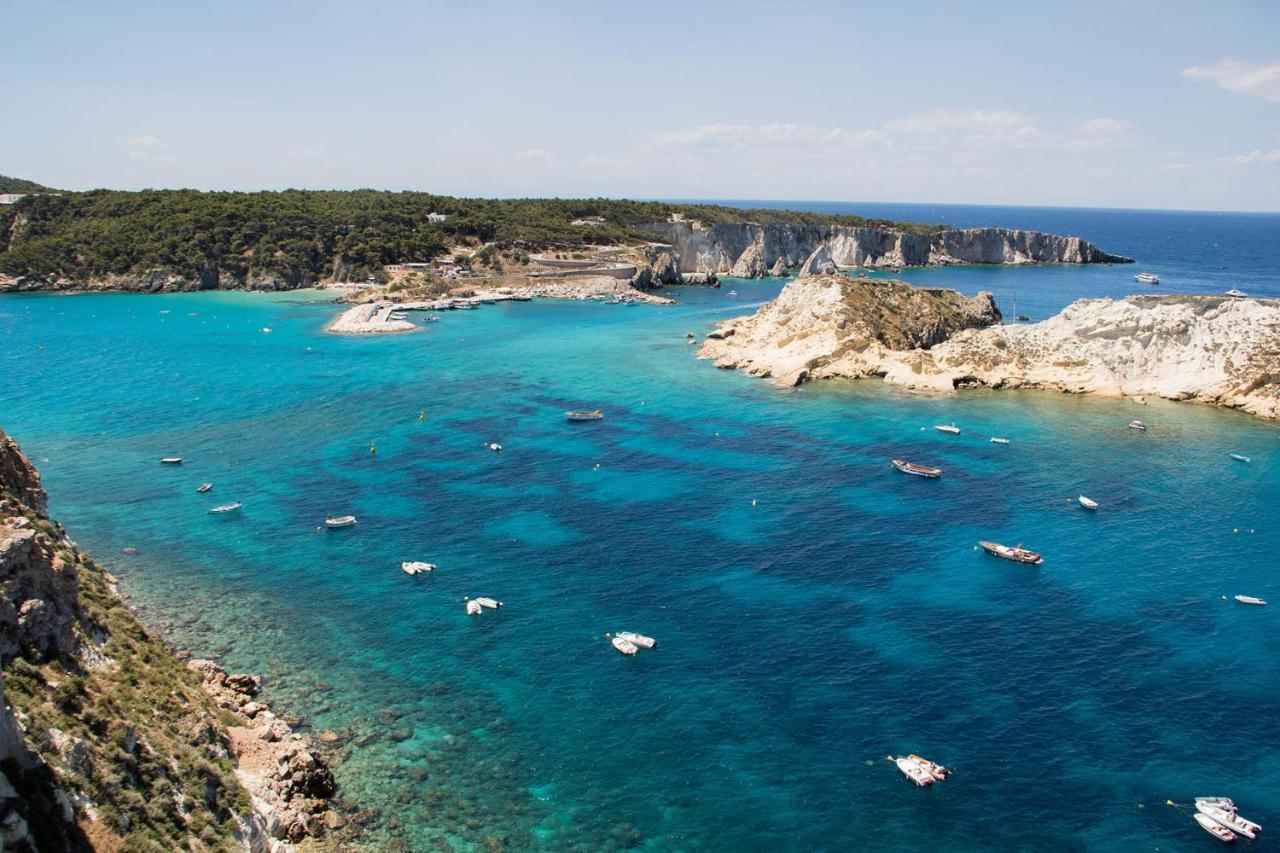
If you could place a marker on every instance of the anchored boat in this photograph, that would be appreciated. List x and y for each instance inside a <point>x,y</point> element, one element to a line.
<point>336,522</point>
<point>638,640</point>
<point>936,770</point>
<point>1138,425</point>
<point>171,460</point>
<point>204,487</point>
<point>1087,503</point>
<point>1230,820</point>
<point>1249,599</point>
<point>414,567</point>
<point>584,416</point>
<point>1214,828</point>
<point>624,646</point>
<point>1147,278</point>
<point>473,608</point>
<point>1017,554</point>
<point>495,447</point>
<point>916,470</point>
<point>913,770</point>
<point>951,428</point>
<point>998,440</point>
<point>1240,457</point>
<point>488,603</point>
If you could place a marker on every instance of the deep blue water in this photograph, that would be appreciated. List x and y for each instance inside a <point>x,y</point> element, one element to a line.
<point>843,617</point>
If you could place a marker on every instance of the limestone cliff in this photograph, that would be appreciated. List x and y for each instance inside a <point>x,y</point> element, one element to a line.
<point>107,740</point>
<point>1212,349</point>
<point>749,250</point>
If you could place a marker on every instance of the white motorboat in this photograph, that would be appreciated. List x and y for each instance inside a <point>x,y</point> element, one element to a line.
<point>1147,278</point>
<point>1017,554</point>
<point>997,440</point>
<point>171,460</point>
<point>624,646</point>
<point>913,770</point>
<point>1240,457</point>
<point>639,640</point>
<point>221,509</point>
<point>1249,599</point>
<point>584,416</point>
<point>488,603</point>
<point>1238,294</point>
<point>1230,820</point>
<point>951,428</point>
<point>1087,503</point>
<point>916,470</point>
<point>936,770</point>
<point>495,447</point>
<point>1224,803</point>
<point>415,567</point>
<point>1214,828</point>
<point>266,330</point>
<point>336,522</point>
<point>1138,425</point>
<point>204,487</point>
<point>473,608</point>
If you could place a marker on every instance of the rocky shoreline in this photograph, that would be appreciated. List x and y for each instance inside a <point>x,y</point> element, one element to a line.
<point>1212,349</point>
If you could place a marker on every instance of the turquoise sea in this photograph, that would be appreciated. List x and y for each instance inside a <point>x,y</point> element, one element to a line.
<point>815,610</point>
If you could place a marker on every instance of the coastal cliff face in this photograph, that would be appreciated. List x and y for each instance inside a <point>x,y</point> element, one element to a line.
<point>1216,350</point>
<point>107,740</point>
<point>750,251</point>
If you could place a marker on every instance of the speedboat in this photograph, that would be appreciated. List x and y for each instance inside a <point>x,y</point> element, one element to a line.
<point>336,522</point>
<point>916,470</point>
<point>1087,503</point>
<point>1138,425</point>
<point>936,770</point>
<point>220,509</point>
<point>1224,803</point>
<point>624,646</point>
<point>1214,828</point>
<point>1249,599</point>
<point>1238,294</point>
<point>584,416</point>
<point>1147,278</point>
<point>204,487</point>
<point>1240,457</point>
<point>415,567</point>
<point>638,640</point>
<point>473,608</point>
<point>913,770</point>
<point>171,460</point>
<point>1017,553</point>
<point>1230,820</point>
<point>951,428</point>
<point>997,440</point>
<point>488,603</point>
<point>266,330</point>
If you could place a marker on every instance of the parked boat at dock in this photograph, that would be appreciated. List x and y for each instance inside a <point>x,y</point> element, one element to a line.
<point>1017,554</point>
<point>916,470</point>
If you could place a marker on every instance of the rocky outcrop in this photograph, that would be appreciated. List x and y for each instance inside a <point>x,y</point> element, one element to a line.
<point>107,741</point>
<point>819,263</point>
<point>752,250</point>
<point>660,267</point>
<point>1211,349</point>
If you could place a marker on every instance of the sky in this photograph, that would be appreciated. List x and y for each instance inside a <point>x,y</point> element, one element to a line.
<point>1118,104</point>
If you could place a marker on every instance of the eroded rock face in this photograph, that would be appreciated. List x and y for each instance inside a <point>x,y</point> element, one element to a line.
<point>1212,349</point>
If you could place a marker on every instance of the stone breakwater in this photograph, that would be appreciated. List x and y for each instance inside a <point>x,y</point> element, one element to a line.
<point>749,250</point>
<point>1212,349</point>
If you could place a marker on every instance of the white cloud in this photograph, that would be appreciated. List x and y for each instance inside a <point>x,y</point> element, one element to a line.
<point>149,149</point>
<point>1256,79</point>
<point>145,141</point>
<point>535,154</point>
<point>1254,156</point>
<point>763,135</point>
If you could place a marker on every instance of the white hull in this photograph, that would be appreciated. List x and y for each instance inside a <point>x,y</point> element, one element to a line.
<point>639,640</point>
<point>623,646</point>
<point>1088,503</point>
<point>1249,599</point>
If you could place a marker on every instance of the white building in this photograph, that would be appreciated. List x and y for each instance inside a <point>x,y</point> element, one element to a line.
<point>437,217</point>
<point>10,198</point>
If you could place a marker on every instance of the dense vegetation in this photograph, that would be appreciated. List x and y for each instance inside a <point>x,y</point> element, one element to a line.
<point>302,236</point>
<point>19,185</point>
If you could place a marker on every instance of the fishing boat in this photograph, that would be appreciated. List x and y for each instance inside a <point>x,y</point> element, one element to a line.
<point>171,460</point>
<point>1147,278</point>
<point>488,603</point>
<point>1087,503</point>
<point>624,646</point>
<point>1238,294</point>
<point>951,428</point>
<point>1214,828</point>
<point>998,440</point>
<point>916,470</point>
<point>1230,820</point>
<point>1138,425</point>
<point>638,640</point>
<point>1017,553</point>
<point>936,770</point>
<point>1240,457</point>
<point>221,509</point>
<point>584,416</point>
<point>415,567</point>
<point>340,521</point>
<point>1249,599</point>
<point>913,770</point>
<point>204,487</point>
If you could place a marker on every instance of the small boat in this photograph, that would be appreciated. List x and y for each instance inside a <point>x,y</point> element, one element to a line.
<point>1238,294</point>
<point>266,330</point>
<point>1249,599</point>
<point>1224,803</point>
<point>171,460</point>
<point>733,293</point>
<point>1017,553</point>
<point>473,608</point>
<point>916,470</point>
<point>996,440</point>
<point>624,646</point>
<point>495,447</point>
<point>204,487</point>
<point>936,770</point>
<point>415,567</point>
<point>1138,425</point>
<point>489,603</point>
<point>1214,828</point>
<point>913,770</point>
<point>336,522</point>
<point>584,416</point>
<point>1230,820</point>
<point>951,428</point>
<point>1022,318</point>
<point>1087,503</point>
<point>225,508</point>
<point>1147,278</point>
<point>1240,457</point>
<point>639,640</point>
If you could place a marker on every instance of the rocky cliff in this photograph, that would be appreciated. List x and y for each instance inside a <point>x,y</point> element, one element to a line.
<point>1212,349</point>
<point>107,740</point>
<point>749,250</point>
